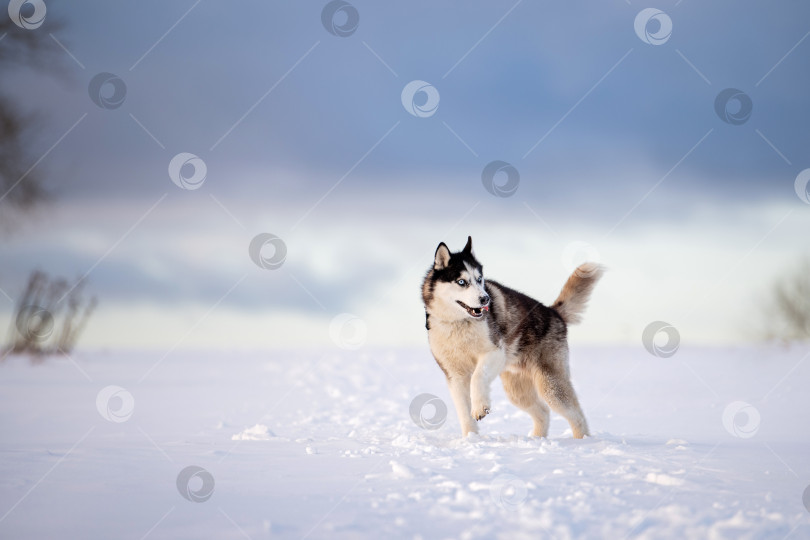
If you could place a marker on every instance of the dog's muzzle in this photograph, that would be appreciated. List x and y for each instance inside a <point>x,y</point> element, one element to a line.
<point>475,313</point>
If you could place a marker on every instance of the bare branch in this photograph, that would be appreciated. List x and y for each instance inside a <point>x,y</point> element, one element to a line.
<point>788,312</point>
<point>44,325</point>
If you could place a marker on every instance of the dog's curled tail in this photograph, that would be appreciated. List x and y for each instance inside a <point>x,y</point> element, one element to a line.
<point>573,298</point>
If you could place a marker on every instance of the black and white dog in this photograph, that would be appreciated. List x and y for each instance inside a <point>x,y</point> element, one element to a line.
<point>478,330</point>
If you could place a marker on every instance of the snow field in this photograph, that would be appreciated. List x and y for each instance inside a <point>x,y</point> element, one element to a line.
<point>710,443</point>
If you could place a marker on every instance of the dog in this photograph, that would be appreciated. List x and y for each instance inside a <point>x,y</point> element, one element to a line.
<point>480,329</point>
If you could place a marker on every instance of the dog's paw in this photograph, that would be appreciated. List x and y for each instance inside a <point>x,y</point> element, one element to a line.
<point>479,411</point>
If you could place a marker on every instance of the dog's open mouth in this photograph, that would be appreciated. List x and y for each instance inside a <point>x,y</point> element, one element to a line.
<point>477,312</point>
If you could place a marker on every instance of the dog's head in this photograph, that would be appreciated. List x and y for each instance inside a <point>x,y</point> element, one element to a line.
<point>454,286</point>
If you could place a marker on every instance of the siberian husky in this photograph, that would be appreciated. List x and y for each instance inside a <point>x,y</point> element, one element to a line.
<point>478,330</point>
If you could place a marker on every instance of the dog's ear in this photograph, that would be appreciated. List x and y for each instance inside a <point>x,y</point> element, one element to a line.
<point>442,257</point>
<point>468,247</point>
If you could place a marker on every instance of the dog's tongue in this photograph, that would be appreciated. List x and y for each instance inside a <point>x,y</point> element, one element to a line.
<point>485,308</point>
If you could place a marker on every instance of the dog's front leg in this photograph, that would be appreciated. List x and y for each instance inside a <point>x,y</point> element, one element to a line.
<point>460,391</point>
<point>488,367</point>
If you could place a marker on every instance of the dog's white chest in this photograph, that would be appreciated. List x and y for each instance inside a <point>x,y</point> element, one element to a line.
<point>459,343</point>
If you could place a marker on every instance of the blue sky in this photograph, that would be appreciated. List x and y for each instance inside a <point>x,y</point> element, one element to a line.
<point>304,135</point>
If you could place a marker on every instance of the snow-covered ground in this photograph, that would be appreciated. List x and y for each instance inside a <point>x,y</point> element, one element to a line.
<point>710,443</point>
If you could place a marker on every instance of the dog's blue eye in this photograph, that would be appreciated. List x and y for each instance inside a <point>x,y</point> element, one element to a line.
<point>479,280</point>
<point>462,282</point>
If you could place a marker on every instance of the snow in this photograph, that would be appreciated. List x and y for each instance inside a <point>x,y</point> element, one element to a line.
<point>258,432</point>
<point>709,443</point>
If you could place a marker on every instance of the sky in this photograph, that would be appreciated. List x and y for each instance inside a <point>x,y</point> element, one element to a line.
<point>611,119</point>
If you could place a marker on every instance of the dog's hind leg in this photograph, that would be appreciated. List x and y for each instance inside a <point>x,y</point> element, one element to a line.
<point>521,391</point>
<point>557,390</point>
<point>460,392</point>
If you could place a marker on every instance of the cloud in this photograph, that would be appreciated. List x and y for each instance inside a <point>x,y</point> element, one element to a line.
<point>304,135</point>
<point>523,83</point>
